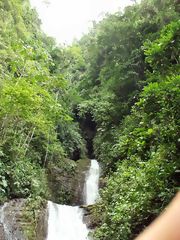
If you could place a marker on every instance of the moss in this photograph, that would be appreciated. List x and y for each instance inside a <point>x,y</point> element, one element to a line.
<point>34,219</point>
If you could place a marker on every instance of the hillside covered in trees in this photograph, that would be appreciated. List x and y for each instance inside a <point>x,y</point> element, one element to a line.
<point>113,95</point>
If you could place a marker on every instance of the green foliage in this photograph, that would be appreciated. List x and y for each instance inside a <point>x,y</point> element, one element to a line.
<point>135,194</point>
<point>34,101</point>
<point>124,74</point>
<point>33,212</point>
<point>129,85</point>
<point>163,54</point>
<point>144,181</point>
<point>27,179</point>
<point>145,177</point>
<point>71,139</point>
<point>116,71</point>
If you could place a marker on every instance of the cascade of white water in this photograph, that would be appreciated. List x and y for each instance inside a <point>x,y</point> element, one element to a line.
<point>92,183</point>
<point>66,222</point>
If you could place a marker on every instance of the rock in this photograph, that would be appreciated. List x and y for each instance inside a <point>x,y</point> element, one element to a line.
<point>78,185</point>
<point>89,218</point>
<point>13,222</point>
<point>11,214</point>
<point>42,225</point>
<point>2,236</point>
<point>60,184</point>
<point>67,187</point>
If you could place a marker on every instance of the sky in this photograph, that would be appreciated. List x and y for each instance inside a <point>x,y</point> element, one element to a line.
<point>66,20</point>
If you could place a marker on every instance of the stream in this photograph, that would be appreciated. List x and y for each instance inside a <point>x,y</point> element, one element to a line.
<point>66,222</point>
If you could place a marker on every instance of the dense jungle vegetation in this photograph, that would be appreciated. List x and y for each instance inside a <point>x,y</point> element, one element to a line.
<point>118,86</point>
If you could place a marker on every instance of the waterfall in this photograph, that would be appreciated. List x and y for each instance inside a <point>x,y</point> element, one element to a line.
<point>91,185</point>
<point>66,222</point>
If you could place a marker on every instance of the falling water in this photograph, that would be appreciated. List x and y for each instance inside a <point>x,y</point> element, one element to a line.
<point>91,185</point>
<point>66,222</point>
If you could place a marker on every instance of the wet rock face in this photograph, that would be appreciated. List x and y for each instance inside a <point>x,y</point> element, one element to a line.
<point>60,185</point>
<point>68,188</point>
<point>42,225</point>
<point>89,218</point>
<point>79,180</point>
<point>11,214</point>
<point>2,236</point>
<point>12,222</point>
